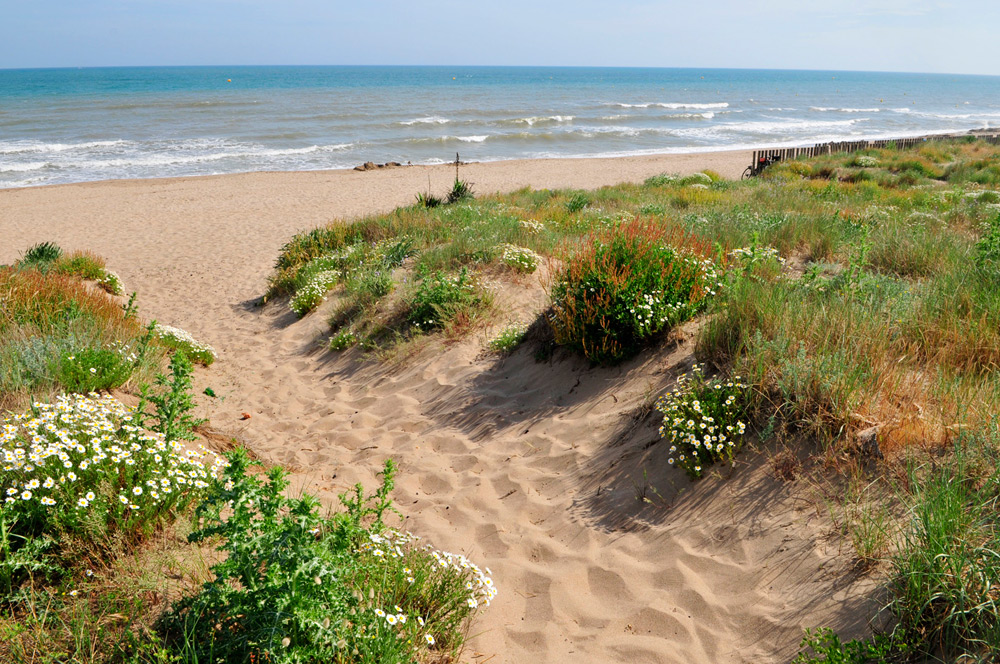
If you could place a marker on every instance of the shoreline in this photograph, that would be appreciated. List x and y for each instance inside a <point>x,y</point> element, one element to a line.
<point>683,156</point>
<point>684,160</point>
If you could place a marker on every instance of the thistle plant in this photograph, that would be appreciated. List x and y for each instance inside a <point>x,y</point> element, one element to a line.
<point>298,587</point>
<point>173,403</point>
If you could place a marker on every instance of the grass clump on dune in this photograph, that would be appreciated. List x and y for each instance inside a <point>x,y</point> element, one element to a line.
<point>58,334</point>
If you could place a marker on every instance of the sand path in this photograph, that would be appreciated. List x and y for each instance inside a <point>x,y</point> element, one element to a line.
<point>536,470</point>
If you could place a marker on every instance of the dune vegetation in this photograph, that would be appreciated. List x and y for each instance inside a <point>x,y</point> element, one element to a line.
<point>122,541</point>
<point>846,315</point>
<point>847,305</point>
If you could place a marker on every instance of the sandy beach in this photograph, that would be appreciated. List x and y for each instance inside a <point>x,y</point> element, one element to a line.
<point>540,471</point>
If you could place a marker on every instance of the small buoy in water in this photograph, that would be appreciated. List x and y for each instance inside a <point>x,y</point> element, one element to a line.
<point>229,80</point>
<point>453,78</point>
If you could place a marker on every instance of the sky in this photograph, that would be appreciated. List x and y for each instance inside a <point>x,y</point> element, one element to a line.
<point>868,35</point>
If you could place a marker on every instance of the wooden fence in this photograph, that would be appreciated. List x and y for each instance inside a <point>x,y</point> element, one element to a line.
<point>785,154</point>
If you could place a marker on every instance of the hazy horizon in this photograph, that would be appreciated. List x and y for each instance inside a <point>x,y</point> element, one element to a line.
<point>473,65</point>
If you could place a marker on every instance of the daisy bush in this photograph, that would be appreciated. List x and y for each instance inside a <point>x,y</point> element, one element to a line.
<point>81,467</point>
<point>627,284</point>
<point>111,282</point>
<point>703,420</point>
<point>520,259</point>
<point>296,586</point>
<point>509,338</point>
<point>178,339</point>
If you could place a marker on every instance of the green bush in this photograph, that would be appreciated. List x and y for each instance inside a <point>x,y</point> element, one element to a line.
<point>40,256</point>
<point>577,202</point>
<point>703,420</point>
<point>297,587</point>
<point>82,264</point>
<point>95,369</point>
<point>54,327</point>
<point>624,286</point>
<point>343,340</point>
<point>946,570</point>
<point>661,179</point>
<point>360,267</point>
<point>988,246</point>
<point>439,297</point>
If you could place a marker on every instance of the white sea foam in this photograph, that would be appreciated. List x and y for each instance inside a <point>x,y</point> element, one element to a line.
<point>37,147</point>
<point>472,139</point>
<point>431,119</point>
<point>844,110</point>
<point>673,105</point>
<point>24,168</point>
<point>540,120</point>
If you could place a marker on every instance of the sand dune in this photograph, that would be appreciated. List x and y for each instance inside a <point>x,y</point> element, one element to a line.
<point>536,470</point>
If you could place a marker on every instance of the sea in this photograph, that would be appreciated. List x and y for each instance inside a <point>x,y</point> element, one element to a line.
<point>77,125</point>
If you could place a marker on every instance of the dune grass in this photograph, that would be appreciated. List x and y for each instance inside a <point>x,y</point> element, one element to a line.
<point>59,334</point>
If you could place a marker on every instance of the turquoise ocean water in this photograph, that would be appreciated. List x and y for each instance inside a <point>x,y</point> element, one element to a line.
<point>73,125</point>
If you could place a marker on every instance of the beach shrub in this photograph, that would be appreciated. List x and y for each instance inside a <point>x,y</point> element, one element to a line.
<point>864,161</point>
<point>825,647</point>
<point>577,202</point>
<point>703,420</point>
<point>83,264</point>
<point>182,341</point>
<point>440,296</point>
<point>81,473</point>
<point>299,587</point>
<point>625,285</point>
<point>343,340</point>
<point>314,292</point>
<point>111,283</point>
<point>509,338</point>
<point>988,246</point>
<point>695,179</point>
<point>945,570</point>
<point>363,268</point>
<point>757,259</point>
<point>94,369</point>
<point>520,259</point>
<point>661,179</point>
